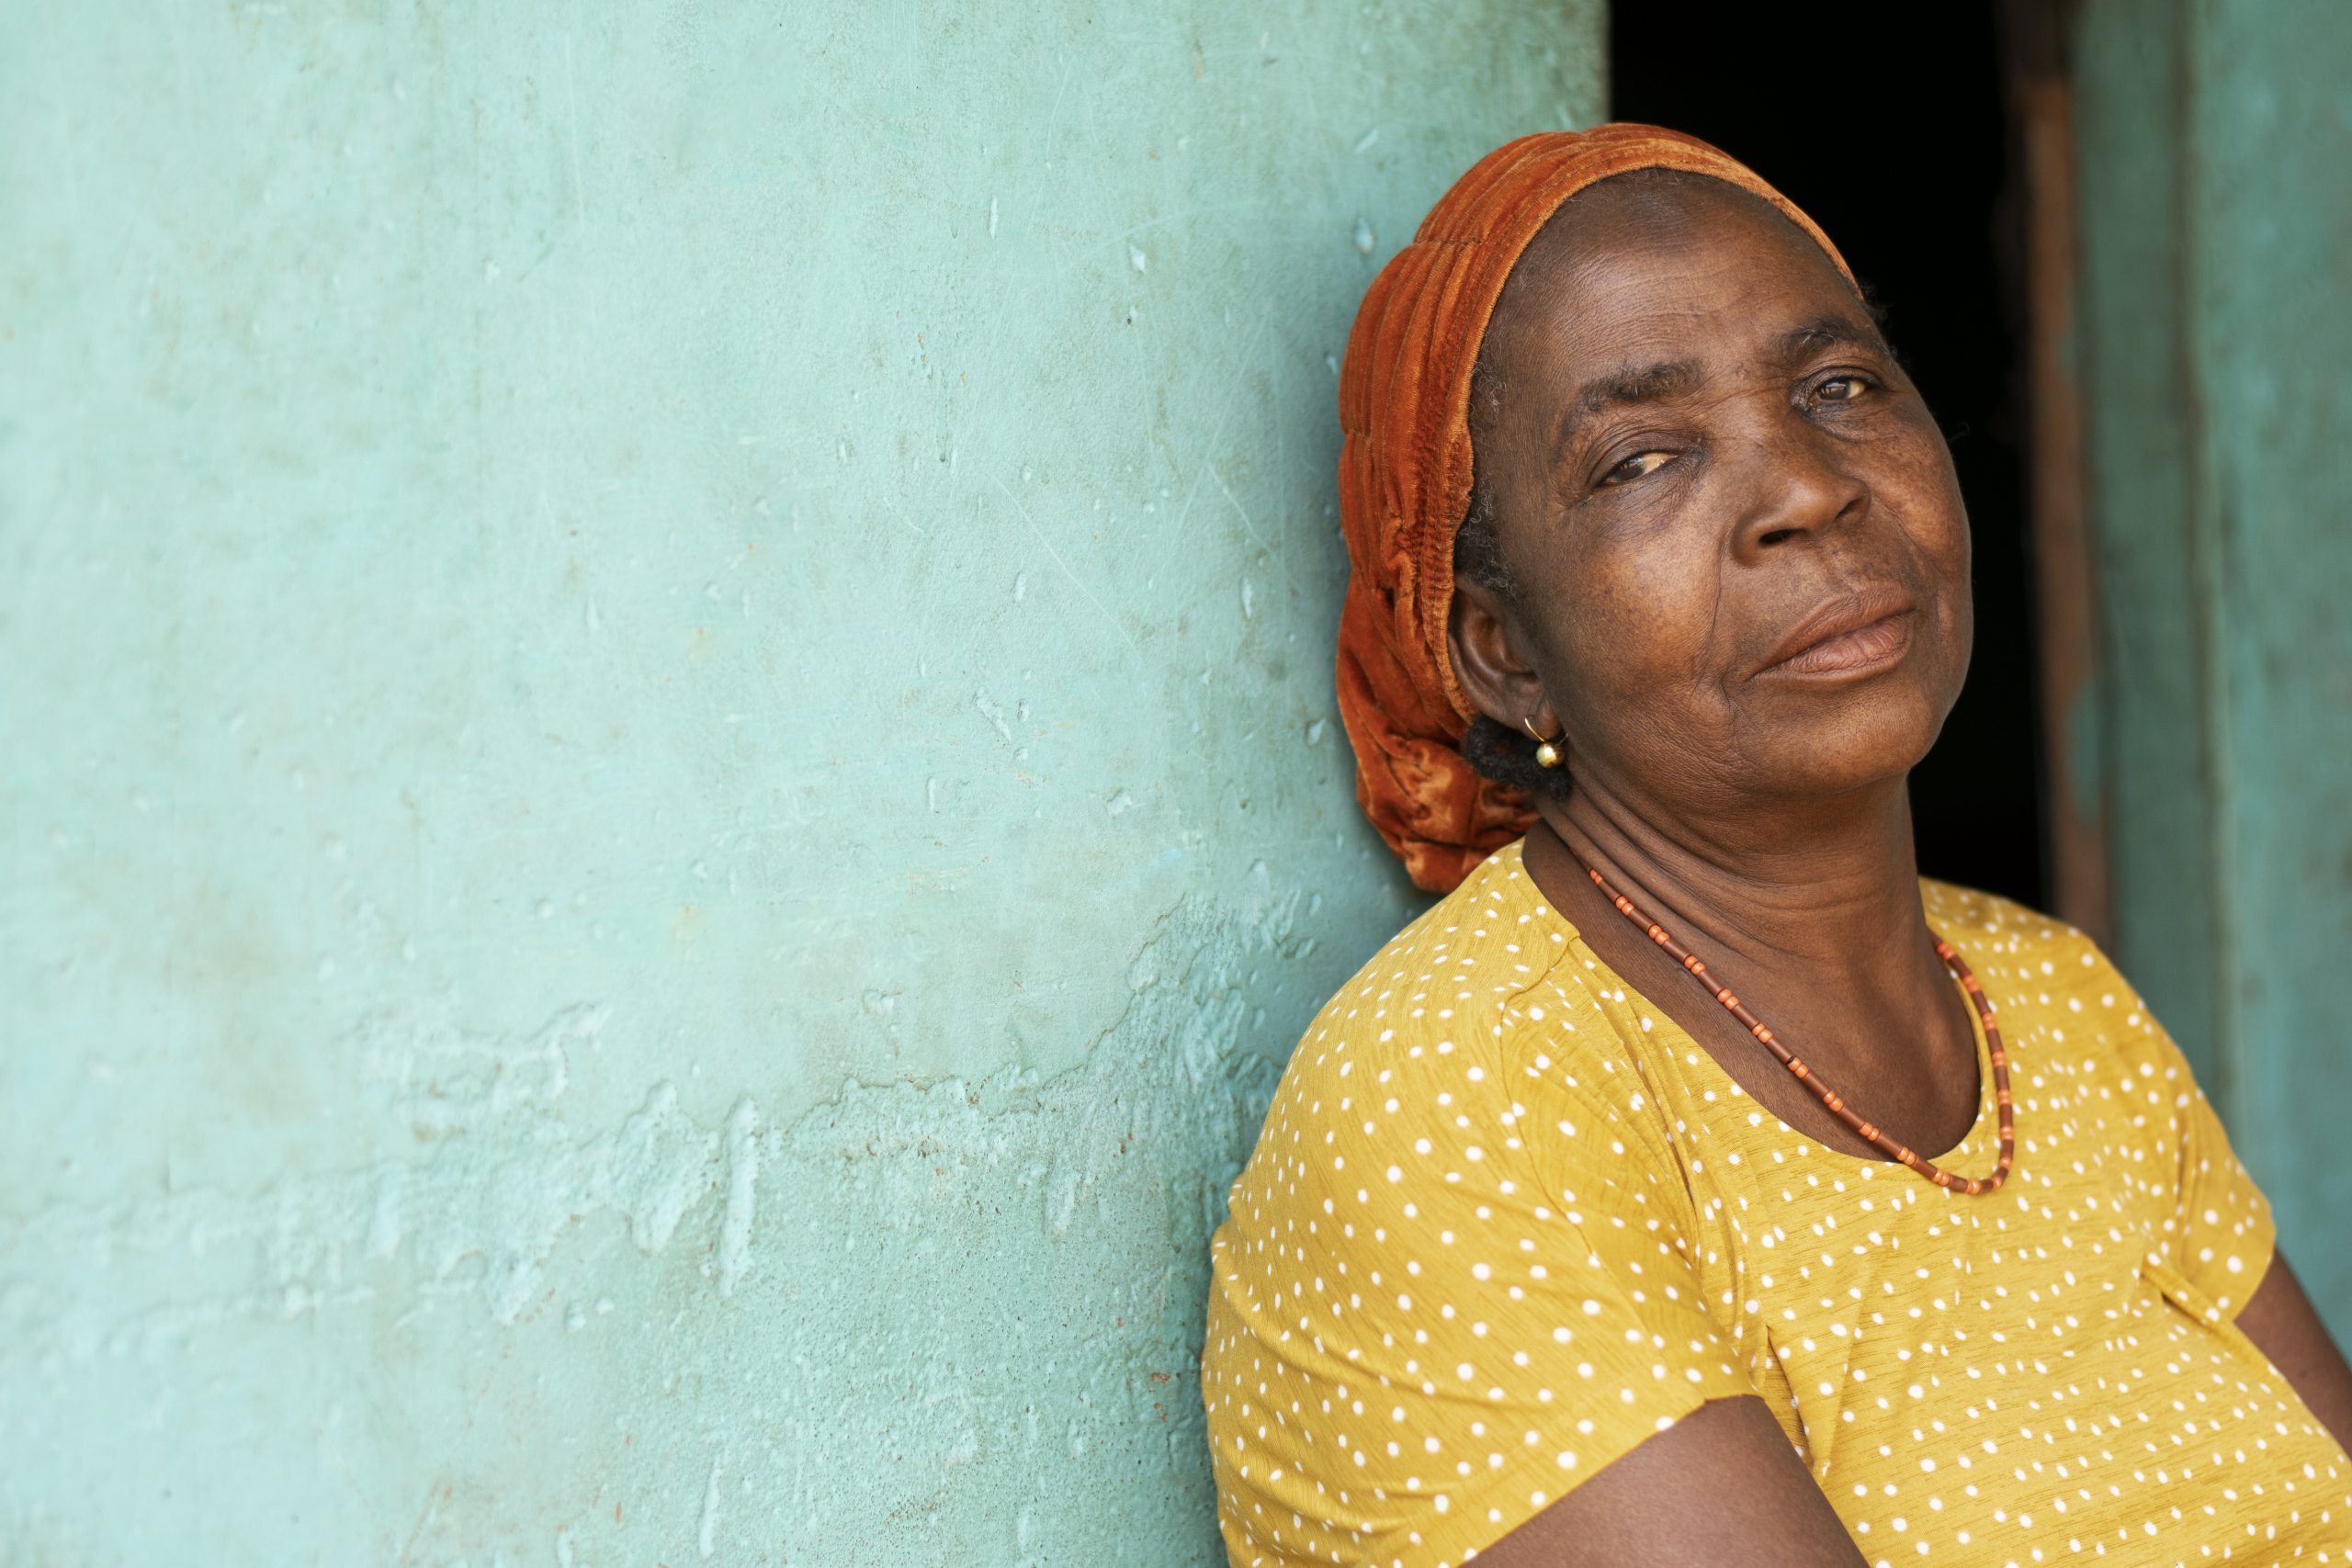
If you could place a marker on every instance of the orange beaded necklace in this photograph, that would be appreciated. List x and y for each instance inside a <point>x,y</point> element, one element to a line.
<point>1805,1076</point>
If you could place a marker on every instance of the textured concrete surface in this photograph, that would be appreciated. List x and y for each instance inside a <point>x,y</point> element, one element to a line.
<point>2216,179</point>
<point>671,783</point>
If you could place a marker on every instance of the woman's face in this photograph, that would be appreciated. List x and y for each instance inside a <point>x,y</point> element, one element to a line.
<point>1737,552</point>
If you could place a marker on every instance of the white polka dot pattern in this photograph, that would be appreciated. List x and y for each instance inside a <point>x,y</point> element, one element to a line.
<point>1506,1220</point>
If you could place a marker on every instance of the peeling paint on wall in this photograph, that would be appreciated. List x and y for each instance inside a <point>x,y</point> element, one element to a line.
<point>671,790</point>
<point>817,1335</point>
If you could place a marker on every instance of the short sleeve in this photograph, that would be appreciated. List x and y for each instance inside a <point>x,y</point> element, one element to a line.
<point>2223,1235</point>
<point>1469,1310</point>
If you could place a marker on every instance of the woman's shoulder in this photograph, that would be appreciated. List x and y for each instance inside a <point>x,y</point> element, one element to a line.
<point>1982,914</point>
<point>2052,982</point>
<point>1458,1017</point>
<point>1444,1215</point>
<point>2000,935</point>
<point>1459,972</point>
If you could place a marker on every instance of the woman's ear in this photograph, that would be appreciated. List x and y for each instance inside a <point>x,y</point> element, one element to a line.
<point>1494,675</point>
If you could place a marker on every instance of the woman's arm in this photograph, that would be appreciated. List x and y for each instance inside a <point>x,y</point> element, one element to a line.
<point>1719,1488</point>
<point>2279,1320</point>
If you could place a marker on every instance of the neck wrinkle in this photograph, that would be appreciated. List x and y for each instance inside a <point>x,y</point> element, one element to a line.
<point>1823,898</point>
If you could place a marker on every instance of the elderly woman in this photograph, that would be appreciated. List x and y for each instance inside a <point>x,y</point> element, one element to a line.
<point>1695,1183</point>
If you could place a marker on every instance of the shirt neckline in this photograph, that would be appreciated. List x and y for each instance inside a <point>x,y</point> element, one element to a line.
<point>1971,1142</point>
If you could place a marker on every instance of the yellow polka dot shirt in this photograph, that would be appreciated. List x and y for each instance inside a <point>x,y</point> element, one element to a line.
<point>1505,1220</point>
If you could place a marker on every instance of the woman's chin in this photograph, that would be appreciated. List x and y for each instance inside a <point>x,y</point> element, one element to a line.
<point>1863,744</point>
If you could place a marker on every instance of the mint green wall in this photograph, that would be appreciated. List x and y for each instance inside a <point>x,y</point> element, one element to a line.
<point>2216,227</point>
<point>671,781</point>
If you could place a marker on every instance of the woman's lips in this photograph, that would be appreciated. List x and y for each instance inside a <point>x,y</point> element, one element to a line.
<point>1872,647</point>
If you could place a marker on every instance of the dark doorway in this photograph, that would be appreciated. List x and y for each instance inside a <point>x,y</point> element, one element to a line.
<point>1895,139</point>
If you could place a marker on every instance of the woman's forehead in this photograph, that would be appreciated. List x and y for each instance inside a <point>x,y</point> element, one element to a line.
<point>1697,266</point>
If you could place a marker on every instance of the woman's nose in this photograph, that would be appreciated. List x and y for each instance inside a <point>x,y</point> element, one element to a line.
<point>1794,485</point>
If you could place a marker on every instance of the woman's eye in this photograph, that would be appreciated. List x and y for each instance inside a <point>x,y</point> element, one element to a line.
<point>1639,466</point>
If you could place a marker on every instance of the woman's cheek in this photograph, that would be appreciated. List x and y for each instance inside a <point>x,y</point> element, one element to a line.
<point>1640,581</point>
<point>1659,627</point>
<point>1934,487</point>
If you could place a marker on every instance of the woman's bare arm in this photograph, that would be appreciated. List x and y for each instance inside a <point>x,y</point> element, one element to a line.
<point>1721,1488</point>
<point>2281,1322</point>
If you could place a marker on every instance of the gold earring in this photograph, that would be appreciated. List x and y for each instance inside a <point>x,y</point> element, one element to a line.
<point>1546,754</point>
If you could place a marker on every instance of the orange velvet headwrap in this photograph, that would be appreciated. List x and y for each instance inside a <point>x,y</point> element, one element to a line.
<point>1405,479</point>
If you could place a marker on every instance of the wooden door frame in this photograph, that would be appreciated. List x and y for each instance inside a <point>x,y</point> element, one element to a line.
<point>2040,90</point>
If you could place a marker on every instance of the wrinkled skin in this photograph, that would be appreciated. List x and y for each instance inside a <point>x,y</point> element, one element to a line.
<point>1702,456</point>
<point>1772,455</point>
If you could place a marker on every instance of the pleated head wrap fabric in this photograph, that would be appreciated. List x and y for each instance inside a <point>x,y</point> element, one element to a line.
<point>1405,477</point>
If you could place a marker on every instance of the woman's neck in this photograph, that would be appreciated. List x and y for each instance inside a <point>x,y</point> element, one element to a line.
<point>1813,917</point>
<point>1829,889</point>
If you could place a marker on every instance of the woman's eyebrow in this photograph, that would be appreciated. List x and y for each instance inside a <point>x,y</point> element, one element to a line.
<point>1664,378</point>
<point>1831,332</point>
<point>1626,384</point>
